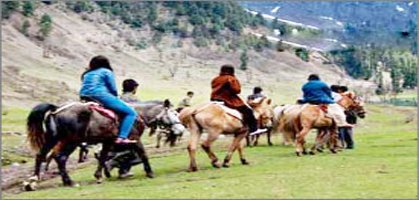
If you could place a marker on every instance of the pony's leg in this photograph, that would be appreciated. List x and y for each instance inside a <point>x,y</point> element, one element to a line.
<point>248,140</point>
<point>206,145</point>
<point>83,153</point>
<point>139,148</point>
<point>317,142</point>
<point>268,136</point>
<point>233,146</point>
<point>192,145</point>
<point>158,136</point>
<point>41,157</point>
<point>256,140</point>
<point>333,139</point>
<point>49,159</point>
<point>61,159</point>
<point>300,141</point>
<point>101,163</point>
<point>240,149</point>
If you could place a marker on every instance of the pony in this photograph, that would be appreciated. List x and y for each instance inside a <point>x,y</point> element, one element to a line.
<point>216,120</point>
<point>161,117</point>
<point>67,127</point>
<point>295,122</point>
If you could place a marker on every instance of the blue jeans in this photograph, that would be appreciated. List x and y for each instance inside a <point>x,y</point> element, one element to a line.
<point>120,107</point>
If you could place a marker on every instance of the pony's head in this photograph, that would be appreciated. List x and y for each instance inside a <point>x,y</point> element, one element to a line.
<point>263,111</point>
<point>353,102</point>
<point>169,119</point>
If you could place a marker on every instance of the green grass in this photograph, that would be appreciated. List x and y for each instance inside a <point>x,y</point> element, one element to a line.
<point>383,165</point>
<point>13,119</point>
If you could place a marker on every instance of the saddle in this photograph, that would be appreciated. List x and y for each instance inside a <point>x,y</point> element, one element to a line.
<point>97,106</point>
<point>232,112</point>
<point>322,107</point>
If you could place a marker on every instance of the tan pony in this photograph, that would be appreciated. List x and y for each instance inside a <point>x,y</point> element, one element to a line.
<point>296,121</point>
<point>215,120</point>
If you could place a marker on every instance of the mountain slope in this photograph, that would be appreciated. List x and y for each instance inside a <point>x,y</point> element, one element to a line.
<point>76,38</point>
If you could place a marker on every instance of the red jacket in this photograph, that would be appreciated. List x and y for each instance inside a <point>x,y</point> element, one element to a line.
<point>226,87</point>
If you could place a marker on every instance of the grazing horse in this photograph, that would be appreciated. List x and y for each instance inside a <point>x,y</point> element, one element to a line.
<point>216,120</point>
<point>69,126</point>
<point>295,121</point>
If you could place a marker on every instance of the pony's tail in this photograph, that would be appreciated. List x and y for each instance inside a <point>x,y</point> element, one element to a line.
<point>35,121</point>
<point>278,112</point>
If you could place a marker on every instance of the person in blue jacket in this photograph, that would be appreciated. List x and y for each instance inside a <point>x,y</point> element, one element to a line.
<point>99,84</point>
<point>316,91</point>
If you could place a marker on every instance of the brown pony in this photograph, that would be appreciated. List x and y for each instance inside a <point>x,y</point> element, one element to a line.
<point>215,120</point>
<point>295,122</point>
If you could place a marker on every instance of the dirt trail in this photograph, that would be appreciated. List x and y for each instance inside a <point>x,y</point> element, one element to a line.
<point>12,176</point>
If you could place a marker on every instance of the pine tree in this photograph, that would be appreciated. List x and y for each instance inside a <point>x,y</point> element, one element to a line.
<point>243,59</point>
<point>46,25</point>
<point>28,8</point>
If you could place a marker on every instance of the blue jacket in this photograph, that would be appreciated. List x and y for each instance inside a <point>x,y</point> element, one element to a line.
<point>99,82</point>
<point>317,92</point>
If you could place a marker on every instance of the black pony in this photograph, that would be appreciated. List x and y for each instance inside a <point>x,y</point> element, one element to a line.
<point>66,127</point>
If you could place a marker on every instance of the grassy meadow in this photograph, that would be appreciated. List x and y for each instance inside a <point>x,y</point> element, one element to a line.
<point>382,165</point>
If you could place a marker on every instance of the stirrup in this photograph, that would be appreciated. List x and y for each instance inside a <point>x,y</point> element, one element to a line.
<point>258,131</point>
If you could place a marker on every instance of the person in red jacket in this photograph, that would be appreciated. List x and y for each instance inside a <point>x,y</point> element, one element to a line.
<point>226,88</point>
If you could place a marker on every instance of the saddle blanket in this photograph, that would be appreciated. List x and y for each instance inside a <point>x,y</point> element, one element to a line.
<point>232,112</point>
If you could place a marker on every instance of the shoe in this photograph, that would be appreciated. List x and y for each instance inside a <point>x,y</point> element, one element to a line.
<point>124,141</point>
<point>259,131</point>
<point>125,175</point>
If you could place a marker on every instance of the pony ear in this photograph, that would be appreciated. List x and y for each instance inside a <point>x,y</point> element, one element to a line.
<point>269,101</point>
<point>166,103</point>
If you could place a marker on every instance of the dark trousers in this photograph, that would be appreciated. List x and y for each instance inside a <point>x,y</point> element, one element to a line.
<point>346,137</point>
<point>248,118</point>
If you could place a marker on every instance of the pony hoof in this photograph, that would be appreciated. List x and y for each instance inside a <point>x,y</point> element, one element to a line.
<point>320,150</point>
<point>150,175</point>
<point>270,144</point>
<point>193,169</point>
<point>244,162</point>
<point>225,165</point>
<point>304,152</point>
<point>298,154</point>
<point>29,186</point>
<point>311,153</point>
<point>71,184</point>
<point>333,151</point>
<point>216,165</point>
<point>99,181</point>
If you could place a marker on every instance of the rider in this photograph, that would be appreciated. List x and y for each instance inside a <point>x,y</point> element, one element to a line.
<point>186,102</point>
<point>226,88</point>
<point>257,93</point>
<point>318,92</point>
<point>99,84</point>
<point>129,89</point>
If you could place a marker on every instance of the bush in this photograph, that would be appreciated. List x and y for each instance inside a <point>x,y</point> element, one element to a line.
<point>46,25</point>
<point>8,7</point>
<point>141,45</point>
<point>28,8</point>
<point>25,27</point>
<point>200,42</point>
<point>302,53</point>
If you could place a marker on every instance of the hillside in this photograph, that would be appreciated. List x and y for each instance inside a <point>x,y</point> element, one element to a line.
<point>31,77</point>
<point>351,22</point>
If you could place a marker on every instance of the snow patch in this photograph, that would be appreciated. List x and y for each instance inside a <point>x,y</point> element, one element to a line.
<point>327,18</point>
<point>275,10</point>
<point>411,3</point>
<point>400,9</point>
